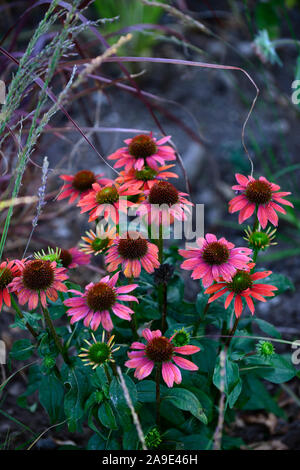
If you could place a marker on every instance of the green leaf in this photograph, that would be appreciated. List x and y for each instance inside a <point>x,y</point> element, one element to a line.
<point>280,371</point>
<point>21,350</point>
<point>146,391</point>
<point>51,395</point>
<point>106,416</point>
<point>283,283</point>
<point>196,442</point>
<point>78,382</point>
<point>187,401</point>
<point>96,442</point>
<point>118,399</point>
<point>258,396</point>
<point>267,328</point>
<point>229,379</point>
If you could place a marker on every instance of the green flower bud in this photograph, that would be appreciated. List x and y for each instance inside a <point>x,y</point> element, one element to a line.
<point>181,338</point>
<point>153,438</point>
<point>265,349</point>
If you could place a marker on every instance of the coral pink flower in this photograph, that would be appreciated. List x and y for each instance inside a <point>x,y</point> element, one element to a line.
<point>8,271</point>
<point>214,258</point>
<point>38,278</point>
<point>107,202</point>
<point>73,258</point>
<point>145,178</point>
<point>133,251</point>
<point>160,349</point>
<point>80,184</point>
<point>95,304</point>
<point>242,286</point>
<point>260,194</point>
<point>164,203</point>
<point>143,150</point>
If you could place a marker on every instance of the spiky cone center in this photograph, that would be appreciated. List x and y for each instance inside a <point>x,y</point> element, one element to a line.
<point>240,282</point>
<point>65,258</point>
<point>259,240</point>
<point>99,353</point>
<point>6,276</point>
<point>182,338</point>
<point>163,192</point>
<point>107,195</point>
<point>159,349</point>
<point>147,174</point>
<point>38,275</point>
<point>83,180</point>
<point>99,244</point>
<point>132,248</point>
<point>265,348</point>
<point>259,192</point>
<point>101,297</point>
<point>142,146</point>
<point>215,253</point>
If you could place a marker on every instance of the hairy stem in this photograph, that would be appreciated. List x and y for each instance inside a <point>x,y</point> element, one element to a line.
<point>54,335</point>
<point>157,380</point>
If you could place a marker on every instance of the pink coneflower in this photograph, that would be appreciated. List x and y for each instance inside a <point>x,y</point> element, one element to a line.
<point>160,350</point>
<point>164,203</point>
<point>214,258</point>
<point>38,278</point>
<point>242,286</point>
<point>260,194</point>
<point>107,201</point>
<point>72,258</point>
<point>80,184</point>
<point>8,271</point>
<point>143,150</point>
<point>133,251</point>
<point>95,304</point>
<point>145,178</point>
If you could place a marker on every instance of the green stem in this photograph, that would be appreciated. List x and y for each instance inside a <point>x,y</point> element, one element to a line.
<point>157,381</point>
<point>160,244</point>
<point>200,319</point>
<point>133,322</point>
<point>233,330</point>
<point>107,373</point>
<point>20,314</point>
<point>55,336</point>
<point>164,308</point>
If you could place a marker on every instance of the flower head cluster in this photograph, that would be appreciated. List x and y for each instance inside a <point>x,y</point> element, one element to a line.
<point>8,271</point>
<point>242,286</point>
<point>143,150</point>
<point>260,195</point>
<point>78,185</point>
<point>98,352</point>
<point>107,201</point>
<point>214,258</point>
<point>133,252</point>
<point>160,350</point>
<point>38,279</point>
<point>96,303</point>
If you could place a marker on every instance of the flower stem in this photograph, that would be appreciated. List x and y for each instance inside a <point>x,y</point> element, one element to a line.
<point>20,314</point>
<point>157,380</point>
<point>164,308</point>
<point>160,244</point>
<point>133,323</point>
<point>107,373</point>
<point>232,332</point>
<point>55,336</point>
<point>200,319</point>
